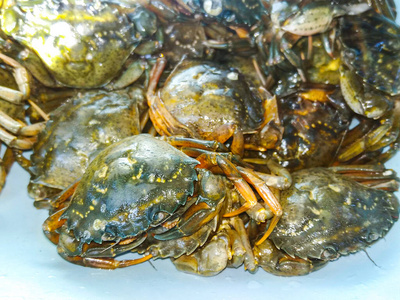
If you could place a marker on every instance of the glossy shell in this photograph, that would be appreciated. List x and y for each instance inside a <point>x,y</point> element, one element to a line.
<point>371,46</point>
<point>130,186</point>
<point>326,215</point>
<point>82,43</point>
<point>76,132</point>
<point>313,132</point>
<point>207,95</point>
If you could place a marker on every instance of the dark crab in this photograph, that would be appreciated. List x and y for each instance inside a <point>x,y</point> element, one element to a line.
<point>289,21</point>
<point>372,141</point>
<point>78,130</point>
<point>314,121</point>
<point>333,212</point>
<point>370,45</point>
<point>328,213</point>
<point>139,183</point>
<point>85,44</point>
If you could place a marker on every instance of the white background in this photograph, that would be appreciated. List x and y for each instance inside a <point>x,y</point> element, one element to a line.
<point>30,267</point>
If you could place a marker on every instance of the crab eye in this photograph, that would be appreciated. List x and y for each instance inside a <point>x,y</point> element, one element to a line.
<point>107,236</point>
<point>159,217</point>
<point>329,253</point>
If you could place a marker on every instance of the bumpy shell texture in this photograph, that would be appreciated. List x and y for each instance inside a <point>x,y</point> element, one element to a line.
<point>130,186</point>
<point>205,95</point>
<point>77,131</point>
<point>327,215</point>
<point>372,47</point>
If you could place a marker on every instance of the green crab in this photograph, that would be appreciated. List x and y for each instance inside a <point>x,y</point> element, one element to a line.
<point>328,212</point>
<point>76,132</point>
<point>333,212</point>
<point>82,44</point>
<point>207,100</point>
<point>142,194</point>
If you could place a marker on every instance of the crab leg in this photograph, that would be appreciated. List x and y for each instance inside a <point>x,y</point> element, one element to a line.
<point>206,208</point>
<point>209,160</point>
<point>66,194</point>
<point>5,166</point>
<point>363,143</point>
<point>162,119</point>
<point>281,178</point>
<point>51,224</point>
<point>21,77</point>
<point>102,263</point>
<point>17,128</point>
<point>194,143</point>
<point>375,176</point>
<point>14,142</point>
<point>115,249</point>
<point>267,196</point>
<point>249,261</point>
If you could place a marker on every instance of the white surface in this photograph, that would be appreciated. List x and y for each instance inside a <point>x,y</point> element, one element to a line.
<point>30,267</point>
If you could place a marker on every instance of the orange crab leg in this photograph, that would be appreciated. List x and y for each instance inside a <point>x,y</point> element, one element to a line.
<point>102,263</point>
<point>51,224</point>
<point>162,119</point>
<point>267,196</point>
<point>238,143</point>
<point>208,160</point>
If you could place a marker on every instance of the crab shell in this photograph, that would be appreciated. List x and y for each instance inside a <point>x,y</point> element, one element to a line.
<point>132,185</point>
<point>82,44</point>
<point>371,46</point>
<point>326,215</point>
<point>76,132</point>
<point>206,95</point>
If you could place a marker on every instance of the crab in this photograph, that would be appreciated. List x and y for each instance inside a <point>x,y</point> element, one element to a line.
<point>138,184</point>
<point>329,212</point>
<point>333,212</point>
<point>85,44</point>
<point>289,21</point>
<point>75,133</point>
<point>372,141</point>
<point>370,46</point>
<point>209,101</point>
<point>315,120</point>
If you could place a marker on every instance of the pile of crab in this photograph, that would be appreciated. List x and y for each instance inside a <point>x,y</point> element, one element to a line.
<point>214,133</point>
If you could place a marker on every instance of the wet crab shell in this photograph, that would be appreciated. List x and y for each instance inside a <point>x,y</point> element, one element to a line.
<point>82,43</point>
<point>371,46</point>
<point>313,131</point>
<point>206,95</point>
<point>130,186</point>
<point>326,215</point>
<point>76,132</point>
